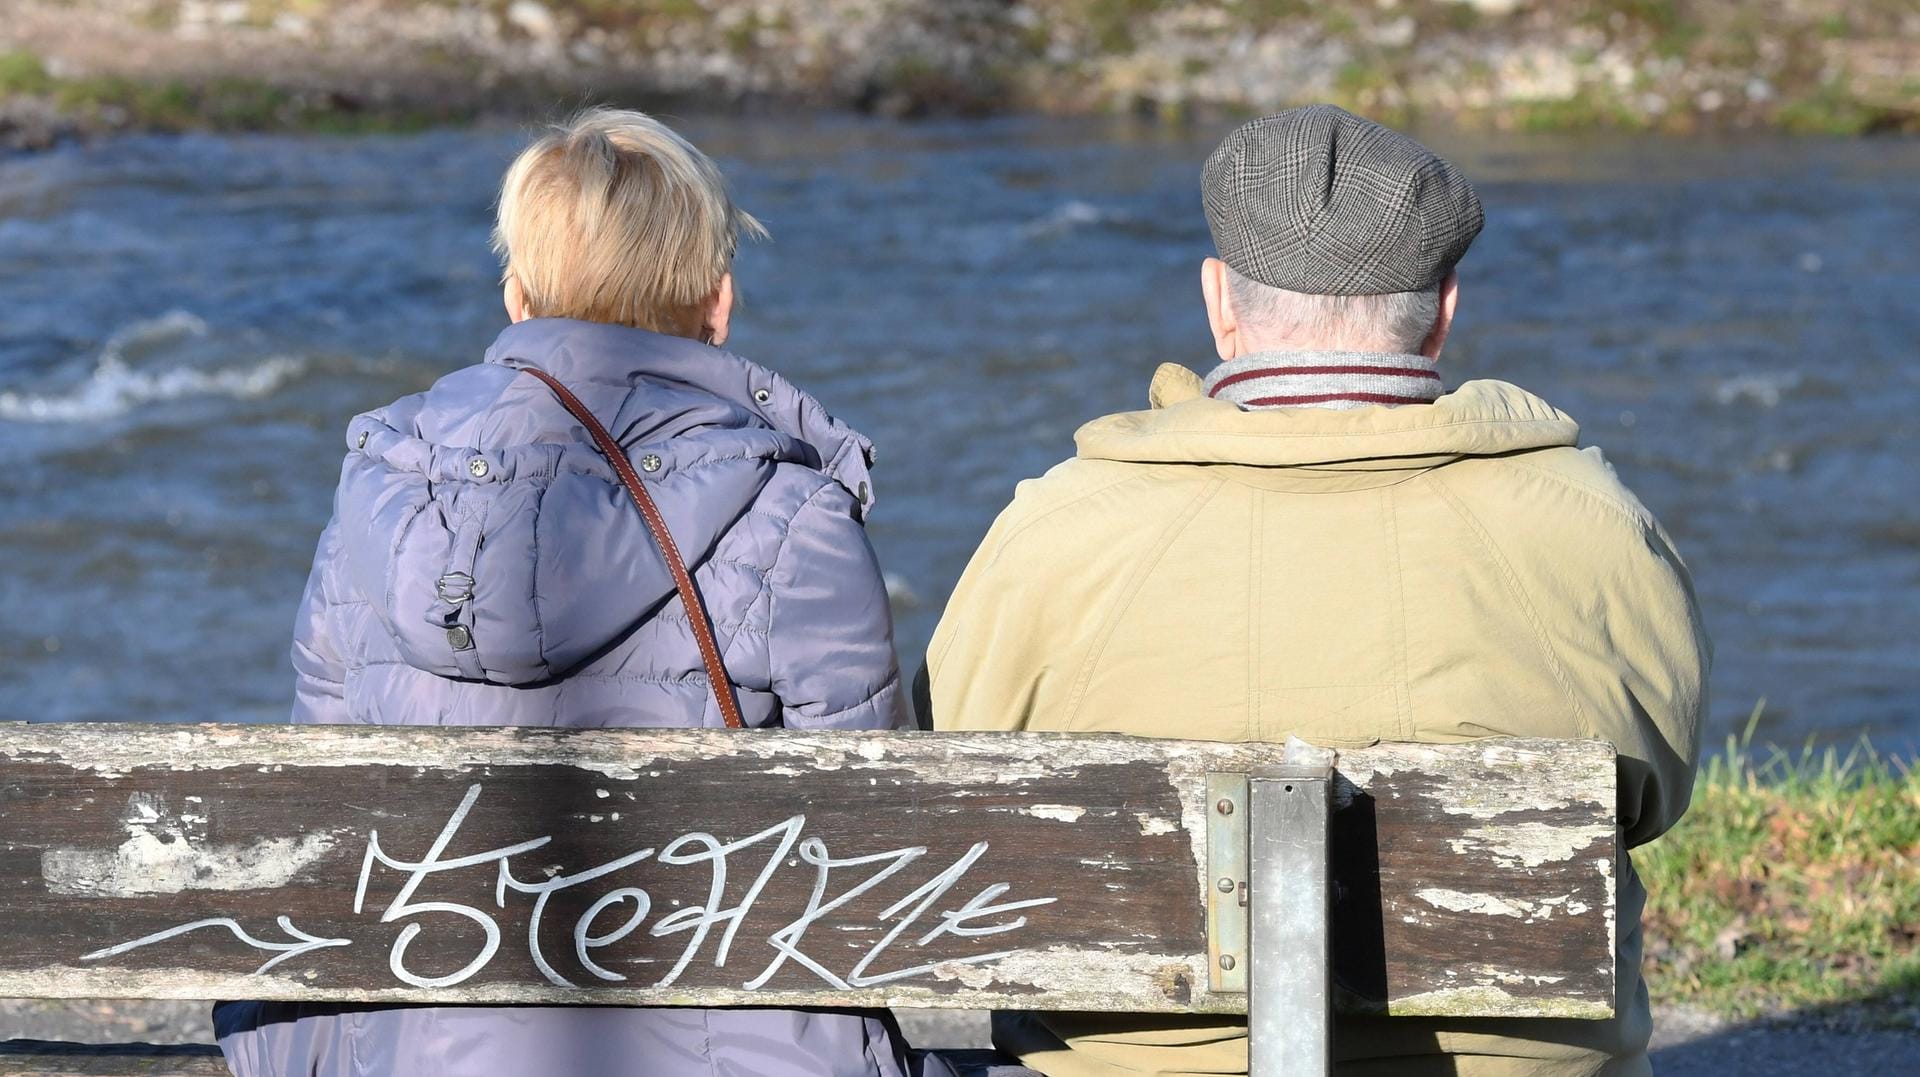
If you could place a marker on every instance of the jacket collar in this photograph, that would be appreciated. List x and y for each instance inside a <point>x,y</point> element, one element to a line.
<point>577,352</point>
<point>1480,418</point>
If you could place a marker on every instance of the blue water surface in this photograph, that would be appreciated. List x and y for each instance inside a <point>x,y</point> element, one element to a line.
<point>186,324</point>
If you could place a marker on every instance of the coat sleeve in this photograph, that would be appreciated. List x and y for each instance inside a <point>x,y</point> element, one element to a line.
<point>1616,607</point>
<point>319,696</point>
<point>1662,656</point>
<point>830,629</point>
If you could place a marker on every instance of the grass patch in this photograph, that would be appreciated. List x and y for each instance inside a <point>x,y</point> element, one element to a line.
<point>23,73</point>
<point>220,104</point>
<point>1829,110</point>
<point>1589,110</point>
<point>1792,884</point>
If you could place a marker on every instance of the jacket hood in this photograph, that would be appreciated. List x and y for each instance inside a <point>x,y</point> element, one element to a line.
<point>493,541</point>
<point>1184,426</point>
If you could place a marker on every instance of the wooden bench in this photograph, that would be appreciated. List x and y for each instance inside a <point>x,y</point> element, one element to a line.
<point>1036,871</point>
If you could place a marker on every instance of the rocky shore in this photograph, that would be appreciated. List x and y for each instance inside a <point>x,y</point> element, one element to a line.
<point>1833,66</point>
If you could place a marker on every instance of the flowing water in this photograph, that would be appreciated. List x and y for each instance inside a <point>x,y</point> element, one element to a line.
<point>186,324</point>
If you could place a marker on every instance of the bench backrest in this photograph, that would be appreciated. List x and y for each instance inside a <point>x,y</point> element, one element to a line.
<point>792,868</point>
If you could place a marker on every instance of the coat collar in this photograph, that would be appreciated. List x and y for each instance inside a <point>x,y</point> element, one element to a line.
<point>1184,426</point>
<point>579,352</point>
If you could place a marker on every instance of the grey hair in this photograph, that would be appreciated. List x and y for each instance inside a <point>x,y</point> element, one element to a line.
<point>1392,321</point>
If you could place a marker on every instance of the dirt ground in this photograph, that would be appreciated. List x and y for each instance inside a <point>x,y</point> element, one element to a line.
<point>1686,1044</point>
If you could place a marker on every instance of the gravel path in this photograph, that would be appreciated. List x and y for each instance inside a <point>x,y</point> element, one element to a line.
<point>1686,1043</point>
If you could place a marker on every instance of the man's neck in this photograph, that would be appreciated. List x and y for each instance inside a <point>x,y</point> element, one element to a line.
<point>1325,379</point>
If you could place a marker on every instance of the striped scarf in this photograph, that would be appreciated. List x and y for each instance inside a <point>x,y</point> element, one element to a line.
<point>1324,380</point>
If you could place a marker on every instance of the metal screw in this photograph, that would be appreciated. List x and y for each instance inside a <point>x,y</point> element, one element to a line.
<point>1225,807</point>
<point>1226,885</point>
<point>1226,962</point>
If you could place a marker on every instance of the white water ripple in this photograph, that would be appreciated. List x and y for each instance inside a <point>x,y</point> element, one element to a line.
<point>116,387</point>
<point>1069,216</point>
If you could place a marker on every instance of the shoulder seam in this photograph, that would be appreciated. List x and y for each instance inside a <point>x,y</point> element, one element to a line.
<point>1637,515</point>
<point>1026,525</point>
<point>1512,580</point>
<point>1138,580</point>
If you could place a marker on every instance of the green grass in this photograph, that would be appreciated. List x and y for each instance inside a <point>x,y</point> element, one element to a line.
<point>1592,109</point>
<point>222,104</point>
<point>172,105</point>
<point>1792,884</point>
<point>23,73</point>
<point>1828,110</point>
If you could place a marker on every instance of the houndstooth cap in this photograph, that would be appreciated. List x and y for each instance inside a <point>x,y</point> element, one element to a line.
<point>1318,200</point>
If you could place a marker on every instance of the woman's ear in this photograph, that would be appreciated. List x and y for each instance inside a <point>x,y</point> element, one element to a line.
<point>719,313</point>
<point>515,298</point>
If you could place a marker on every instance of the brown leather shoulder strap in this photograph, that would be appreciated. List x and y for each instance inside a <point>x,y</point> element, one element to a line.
<point>682,580</point>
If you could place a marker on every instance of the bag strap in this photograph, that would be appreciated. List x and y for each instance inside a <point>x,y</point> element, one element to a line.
<point>657,525</point>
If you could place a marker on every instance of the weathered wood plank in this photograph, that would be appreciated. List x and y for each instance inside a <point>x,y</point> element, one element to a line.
<point>769,868</point>
<point>42,1058</point>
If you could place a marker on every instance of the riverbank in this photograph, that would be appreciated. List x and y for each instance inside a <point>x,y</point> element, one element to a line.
<point>72,67</point>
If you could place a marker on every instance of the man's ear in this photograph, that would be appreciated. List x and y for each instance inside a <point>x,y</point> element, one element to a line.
<point>719,314</point>
<point>1449,299</point>
<point>515,298</point>
<point>1220,316</point>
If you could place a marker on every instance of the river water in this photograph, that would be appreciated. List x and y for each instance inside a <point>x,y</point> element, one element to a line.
<point>186,324</point>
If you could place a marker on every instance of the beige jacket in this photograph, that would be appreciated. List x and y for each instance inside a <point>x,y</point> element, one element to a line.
<point>1433,572</point>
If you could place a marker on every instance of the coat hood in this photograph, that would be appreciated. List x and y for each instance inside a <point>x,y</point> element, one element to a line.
<point>1480,418</point>
<point>491,539</point>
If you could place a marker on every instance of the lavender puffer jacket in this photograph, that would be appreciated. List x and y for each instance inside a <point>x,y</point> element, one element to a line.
<point>573,620</point>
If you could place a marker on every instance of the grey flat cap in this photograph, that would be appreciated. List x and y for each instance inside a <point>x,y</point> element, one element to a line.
<point>1319,200</point>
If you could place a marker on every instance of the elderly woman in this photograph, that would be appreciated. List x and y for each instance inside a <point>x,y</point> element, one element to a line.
<point>608,522</point>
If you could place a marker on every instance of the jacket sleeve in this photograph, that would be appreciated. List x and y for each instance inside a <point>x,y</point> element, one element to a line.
<point>1616,607</point>
<point>318,695</point>
<point>830,629</point>
<point>1663,655</point>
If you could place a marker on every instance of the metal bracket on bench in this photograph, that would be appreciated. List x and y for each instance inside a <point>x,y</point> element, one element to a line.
<point>1289,1001</point>
<point>1227,882</point>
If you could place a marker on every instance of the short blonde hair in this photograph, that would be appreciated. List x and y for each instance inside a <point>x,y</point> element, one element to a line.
<point>613,217</point>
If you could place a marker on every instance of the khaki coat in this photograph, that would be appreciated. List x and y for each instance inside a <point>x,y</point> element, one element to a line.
<point>1435,573</point>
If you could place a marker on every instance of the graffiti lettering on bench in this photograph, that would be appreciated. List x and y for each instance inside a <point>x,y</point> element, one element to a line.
<point>709,926</point>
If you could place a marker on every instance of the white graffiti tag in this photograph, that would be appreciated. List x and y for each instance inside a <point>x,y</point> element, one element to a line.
<point>286,949</point>
<point>766,852</point>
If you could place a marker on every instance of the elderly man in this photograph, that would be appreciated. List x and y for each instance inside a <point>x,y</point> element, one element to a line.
<point>1317,539</point>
